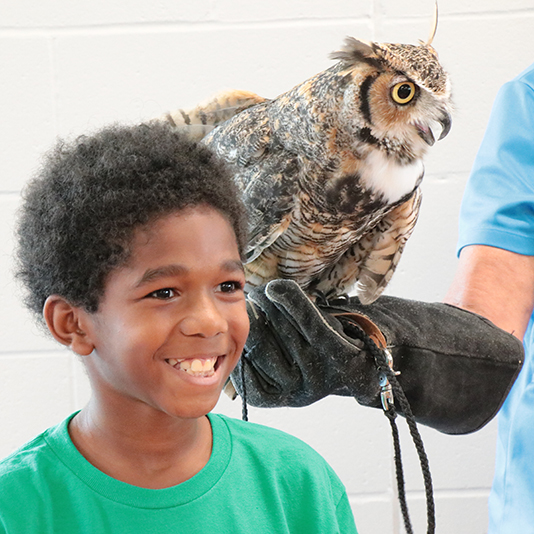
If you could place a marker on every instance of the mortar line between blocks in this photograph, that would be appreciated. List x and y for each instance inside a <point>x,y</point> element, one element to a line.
<point>183,27</point>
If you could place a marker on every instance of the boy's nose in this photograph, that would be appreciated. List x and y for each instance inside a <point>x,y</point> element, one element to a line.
<point>203,318</point>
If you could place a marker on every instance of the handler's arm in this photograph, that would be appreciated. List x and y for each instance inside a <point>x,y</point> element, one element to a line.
<point>496,284</point>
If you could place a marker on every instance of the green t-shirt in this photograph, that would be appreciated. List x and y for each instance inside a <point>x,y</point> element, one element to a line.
<point>258,480</point>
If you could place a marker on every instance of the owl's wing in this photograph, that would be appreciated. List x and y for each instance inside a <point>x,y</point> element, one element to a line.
<point>264,170</point>
<point>386,244</point>
<point>235,125</point>
<point>197,122</point>
<point>269,198</point>
<point>242,141</point>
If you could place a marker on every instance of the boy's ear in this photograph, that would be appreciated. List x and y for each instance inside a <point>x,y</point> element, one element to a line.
<point>65,323</point>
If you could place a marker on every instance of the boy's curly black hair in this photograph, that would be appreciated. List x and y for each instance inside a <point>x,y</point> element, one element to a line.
<point>80,212</point>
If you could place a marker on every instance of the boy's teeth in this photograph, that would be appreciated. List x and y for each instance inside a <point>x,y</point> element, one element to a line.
<point>195,367</point>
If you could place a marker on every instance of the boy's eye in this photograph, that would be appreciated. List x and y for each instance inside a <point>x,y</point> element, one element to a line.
<point>163,294</point>
<point>231,286</point>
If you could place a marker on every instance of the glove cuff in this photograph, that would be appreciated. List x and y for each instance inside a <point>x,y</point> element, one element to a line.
<point>456,367</point>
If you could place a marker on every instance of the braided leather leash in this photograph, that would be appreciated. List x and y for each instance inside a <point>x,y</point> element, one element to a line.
<point>375,344</point>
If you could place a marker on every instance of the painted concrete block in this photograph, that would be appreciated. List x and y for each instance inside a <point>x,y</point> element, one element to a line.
<point>36,393</point>
<point>27,107</point>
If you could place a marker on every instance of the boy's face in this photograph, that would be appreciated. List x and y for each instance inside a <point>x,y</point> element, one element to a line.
<point>172,323</point>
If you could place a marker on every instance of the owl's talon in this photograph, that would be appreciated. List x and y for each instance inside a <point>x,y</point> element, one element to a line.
<point>329,299</point>
<point>339,300</point>
<point>318,297</point>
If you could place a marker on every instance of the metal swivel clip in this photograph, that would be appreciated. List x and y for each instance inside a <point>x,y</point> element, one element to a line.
<point>386,391</point>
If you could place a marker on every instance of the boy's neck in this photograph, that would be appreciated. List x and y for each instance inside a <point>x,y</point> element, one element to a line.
<point>150,452</point>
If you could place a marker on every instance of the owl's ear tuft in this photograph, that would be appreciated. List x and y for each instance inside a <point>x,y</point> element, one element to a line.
<point>355,51</point>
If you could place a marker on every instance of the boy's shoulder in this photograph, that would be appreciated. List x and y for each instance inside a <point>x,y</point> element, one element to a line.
<point>273,445</point>
<point>24,456</point>
<point>22,470</point>
<point>255,432</point>
<point>273,455</point>
<point>30,460</point>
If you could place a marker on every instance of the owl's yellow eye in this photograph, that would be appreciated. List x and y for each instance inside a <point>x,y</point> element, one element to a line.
<point>403,92</point>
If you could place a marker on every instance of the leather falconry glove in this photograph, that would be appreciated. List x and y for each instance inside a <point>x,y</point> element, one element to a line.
<point>455,367</point>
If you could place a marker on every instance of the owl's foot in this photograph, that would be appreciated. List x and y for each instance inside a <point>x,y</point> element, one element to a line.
<point>319,298</point>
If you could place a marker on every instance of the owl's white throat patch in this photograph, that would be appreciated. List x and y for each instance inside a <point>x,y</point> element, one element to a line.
<point>386,176</point>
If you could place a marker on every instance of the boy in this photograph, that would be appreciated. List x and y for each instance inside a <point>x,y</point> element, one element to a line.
<point>130,243</point>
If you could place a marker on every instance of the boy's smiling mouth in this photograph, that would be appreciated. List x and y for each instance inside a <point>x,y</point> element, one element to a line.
<point>199,367</point>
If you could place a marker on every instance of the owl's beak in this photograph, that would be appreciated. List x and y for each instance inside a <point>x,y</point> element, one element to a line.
<point>425,132</point>
<point>446,123</point>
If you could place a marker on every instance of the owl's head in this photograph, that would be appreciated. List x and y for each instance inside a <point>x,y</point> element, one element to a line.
<point>399,91</point>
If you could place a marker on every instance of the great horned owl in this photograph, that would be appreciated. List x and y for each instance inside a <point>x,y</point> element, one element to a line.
<point>330,170</point>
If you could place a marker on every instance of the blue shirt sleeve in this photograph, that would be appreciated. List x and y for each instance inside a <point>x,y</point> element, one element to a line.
<point>498,204</point>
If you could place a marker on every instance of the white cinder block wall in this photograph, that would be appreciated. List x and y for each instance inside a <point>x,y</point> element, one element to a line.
<point>67,67</point>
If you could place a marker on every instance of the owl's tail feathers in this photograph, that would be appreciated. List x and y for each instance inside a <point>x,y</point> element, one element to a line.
<point>197,122</point>
<point>389,238</point>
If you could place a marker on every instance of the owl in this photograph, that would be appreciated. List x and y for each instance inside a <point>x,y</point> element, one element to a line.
<point>330,171</point>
